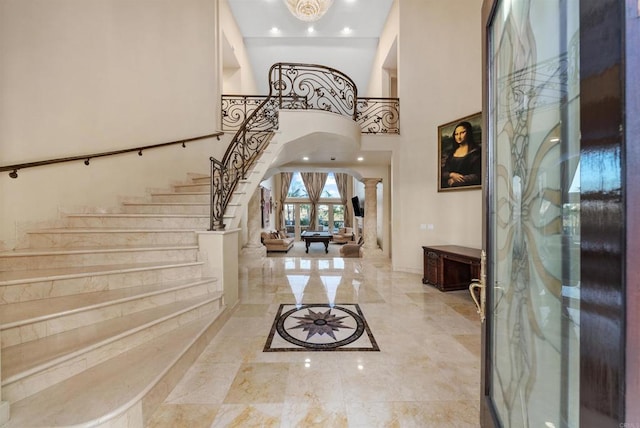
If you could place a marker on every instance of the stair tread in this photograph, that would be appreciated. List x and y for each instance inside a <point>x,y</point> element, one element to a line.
<point>166,203</point>
<point>108,388</point>
<point>25,358</point>
<point>83,250</point>
<point>108,230</point>
<point>138,215</point>
<point>19,276</point>
<point>41,309</point>
<point>179,193</point>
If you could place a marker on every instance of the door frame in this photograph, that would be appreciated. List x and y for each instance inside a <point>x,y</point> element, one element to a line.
<point>609,116</point>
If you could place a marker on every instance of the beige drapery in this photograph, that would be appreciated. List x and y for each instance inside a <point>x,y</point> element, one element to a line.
<point>341,182</point>
<point>285,181</point>
<point>314,182</point>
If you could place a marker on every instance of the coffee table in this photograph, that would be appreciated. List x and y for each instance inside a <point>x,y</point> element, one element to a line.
<point>309,237</point>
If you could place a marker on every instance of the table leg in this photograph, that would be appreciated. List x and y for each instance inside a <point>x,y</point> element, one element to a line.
<point>326,247</point>
<point>307,245</point>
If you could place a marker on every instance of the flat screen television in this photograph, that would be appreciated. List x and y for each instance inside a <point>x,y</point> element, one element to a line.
<point>358,210</point>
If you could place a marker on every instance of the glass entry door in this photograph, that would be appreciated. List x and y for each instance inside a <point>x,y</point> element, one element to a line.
<point>532,351</point>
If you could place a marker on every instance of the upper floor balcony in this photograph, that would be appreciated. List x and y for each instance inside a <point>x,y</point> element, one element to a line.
<point>311,87</point>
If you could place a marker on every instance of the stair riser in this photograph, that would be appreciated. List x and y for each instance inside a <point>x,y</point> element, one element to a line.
<point>201,180</point>
<point>189,223</point>
<point>39,381</point>
<point>98,238</point>
<point>86,284</point>
<point>181,197</point>
<point>204,187</point>
<point>41,329</point>
<point>233,210</point>
<point>97,259</point>
<point>166,209</point>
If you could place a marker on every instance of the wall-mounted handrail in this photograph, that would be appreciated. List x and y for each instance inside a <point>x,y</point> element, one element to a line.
<point>87,158</point>
<point>291,86</point>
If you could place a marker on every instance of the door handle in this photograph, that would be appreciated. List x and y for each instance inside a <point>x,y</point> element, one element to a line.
<point>479,285</point>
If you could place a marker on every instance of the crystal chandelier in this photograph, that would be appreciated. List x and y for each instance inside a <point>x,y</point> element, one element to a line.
<point>308,10</point>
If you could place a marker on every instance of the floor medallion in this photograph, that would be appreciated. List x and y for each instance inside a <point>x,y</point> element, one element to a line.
<point>320,327</point>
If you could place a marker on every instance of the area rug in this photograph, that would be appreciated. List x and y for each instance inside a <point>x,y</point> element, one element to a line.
<point>316,251</point>
<point>320,327</point>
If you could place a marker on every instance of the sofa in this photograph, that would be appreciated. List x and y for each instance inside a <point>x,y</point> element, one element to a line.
<point>276,241</point>
<point>344,235</point>
<point>352,249</point>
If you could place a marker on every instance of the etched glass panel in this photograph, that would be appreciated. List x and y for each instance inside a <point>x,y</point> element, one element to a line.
<point>534,229</point>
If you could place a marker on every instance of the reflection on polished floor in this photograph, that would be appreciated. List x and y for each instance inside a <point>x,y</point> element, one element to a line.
<point>426,373</point>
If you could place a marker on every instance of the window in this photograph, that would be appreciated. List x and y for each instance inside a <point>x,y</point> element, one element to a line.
<point>338,216</point>
<point>330,189</point>
<point>305,216</point>
<point>297,188</point>
<point>323,217</point>
<point>297,209</point>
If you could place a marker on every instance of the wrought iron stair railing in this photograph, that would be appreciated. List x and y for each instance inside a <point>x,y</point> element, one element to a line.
<point>291,86</point>
<point>374,115</point>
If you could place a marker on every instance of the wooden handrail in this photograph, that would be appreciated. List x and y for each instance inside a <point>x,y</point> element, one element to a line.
<point>87,158</point>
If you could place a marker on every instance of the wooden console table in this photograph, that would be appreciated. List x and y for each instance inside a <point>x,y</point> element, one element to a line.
<point>450,267</point>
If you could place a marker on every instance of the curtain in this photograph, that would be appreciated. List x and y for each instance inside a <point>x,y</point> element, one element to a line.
<point>341,182</point>
<point>285,181</point>
<point>314,182</point>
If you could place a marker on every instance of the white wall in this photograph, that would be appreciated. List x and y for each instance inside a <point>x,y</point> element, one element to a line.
<point>80,77</point>
<point>239,79</point>
<point>377,81</point>
<point>439,80</point>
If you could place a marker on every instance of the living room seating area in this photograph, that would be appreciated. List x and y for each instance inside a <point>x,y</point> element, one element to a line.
<point>352,249</point>
<point>344,235</point>
<point>276,241</point>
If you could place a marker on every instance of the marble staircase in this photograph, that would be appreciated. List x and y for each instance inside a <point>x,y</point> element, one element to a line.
<point>100,318</point>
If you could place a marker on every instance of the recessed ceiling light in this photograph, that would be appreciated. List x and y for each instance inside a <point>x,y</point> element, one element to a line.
<point>275,30</point>
<point>360,158</point>
<point>310,30</point>
<point>305,158</point>
<point>346,30</point>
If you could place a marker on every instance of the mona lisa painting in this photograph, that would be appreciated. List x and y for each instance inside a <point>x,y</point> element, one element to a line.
<point>460,154</point>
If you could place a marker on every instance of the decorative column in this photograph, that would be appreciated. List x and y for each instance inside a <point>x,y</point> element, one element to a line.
<point>254,247</point>
<point>370,229</point>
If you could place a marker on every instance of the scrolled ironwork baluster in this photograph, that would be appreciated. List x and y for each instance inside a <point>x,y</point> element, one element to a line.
<point>378,115</point>
<point>291,86</point>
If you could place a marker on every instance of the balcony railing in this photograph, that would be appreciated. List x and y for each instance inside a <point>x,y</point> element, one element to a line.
<point>374,115</point>
<point>291,86</point>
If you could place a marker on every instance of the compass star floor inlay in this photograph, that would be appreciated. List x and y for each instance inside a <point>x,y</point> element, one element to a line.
<point>320,327</point>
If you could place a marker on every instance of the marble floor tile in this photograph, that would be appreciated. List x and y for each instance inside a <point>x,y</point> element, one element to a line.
<point>204,383</point>
<point>314,381</point>
<point>311,415</point>
<point>413,414</point>
<point>249,415</point>
<point>183,416</point>
<point>259,383</point>
<point>251,310</point>
<point>426,373</point>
